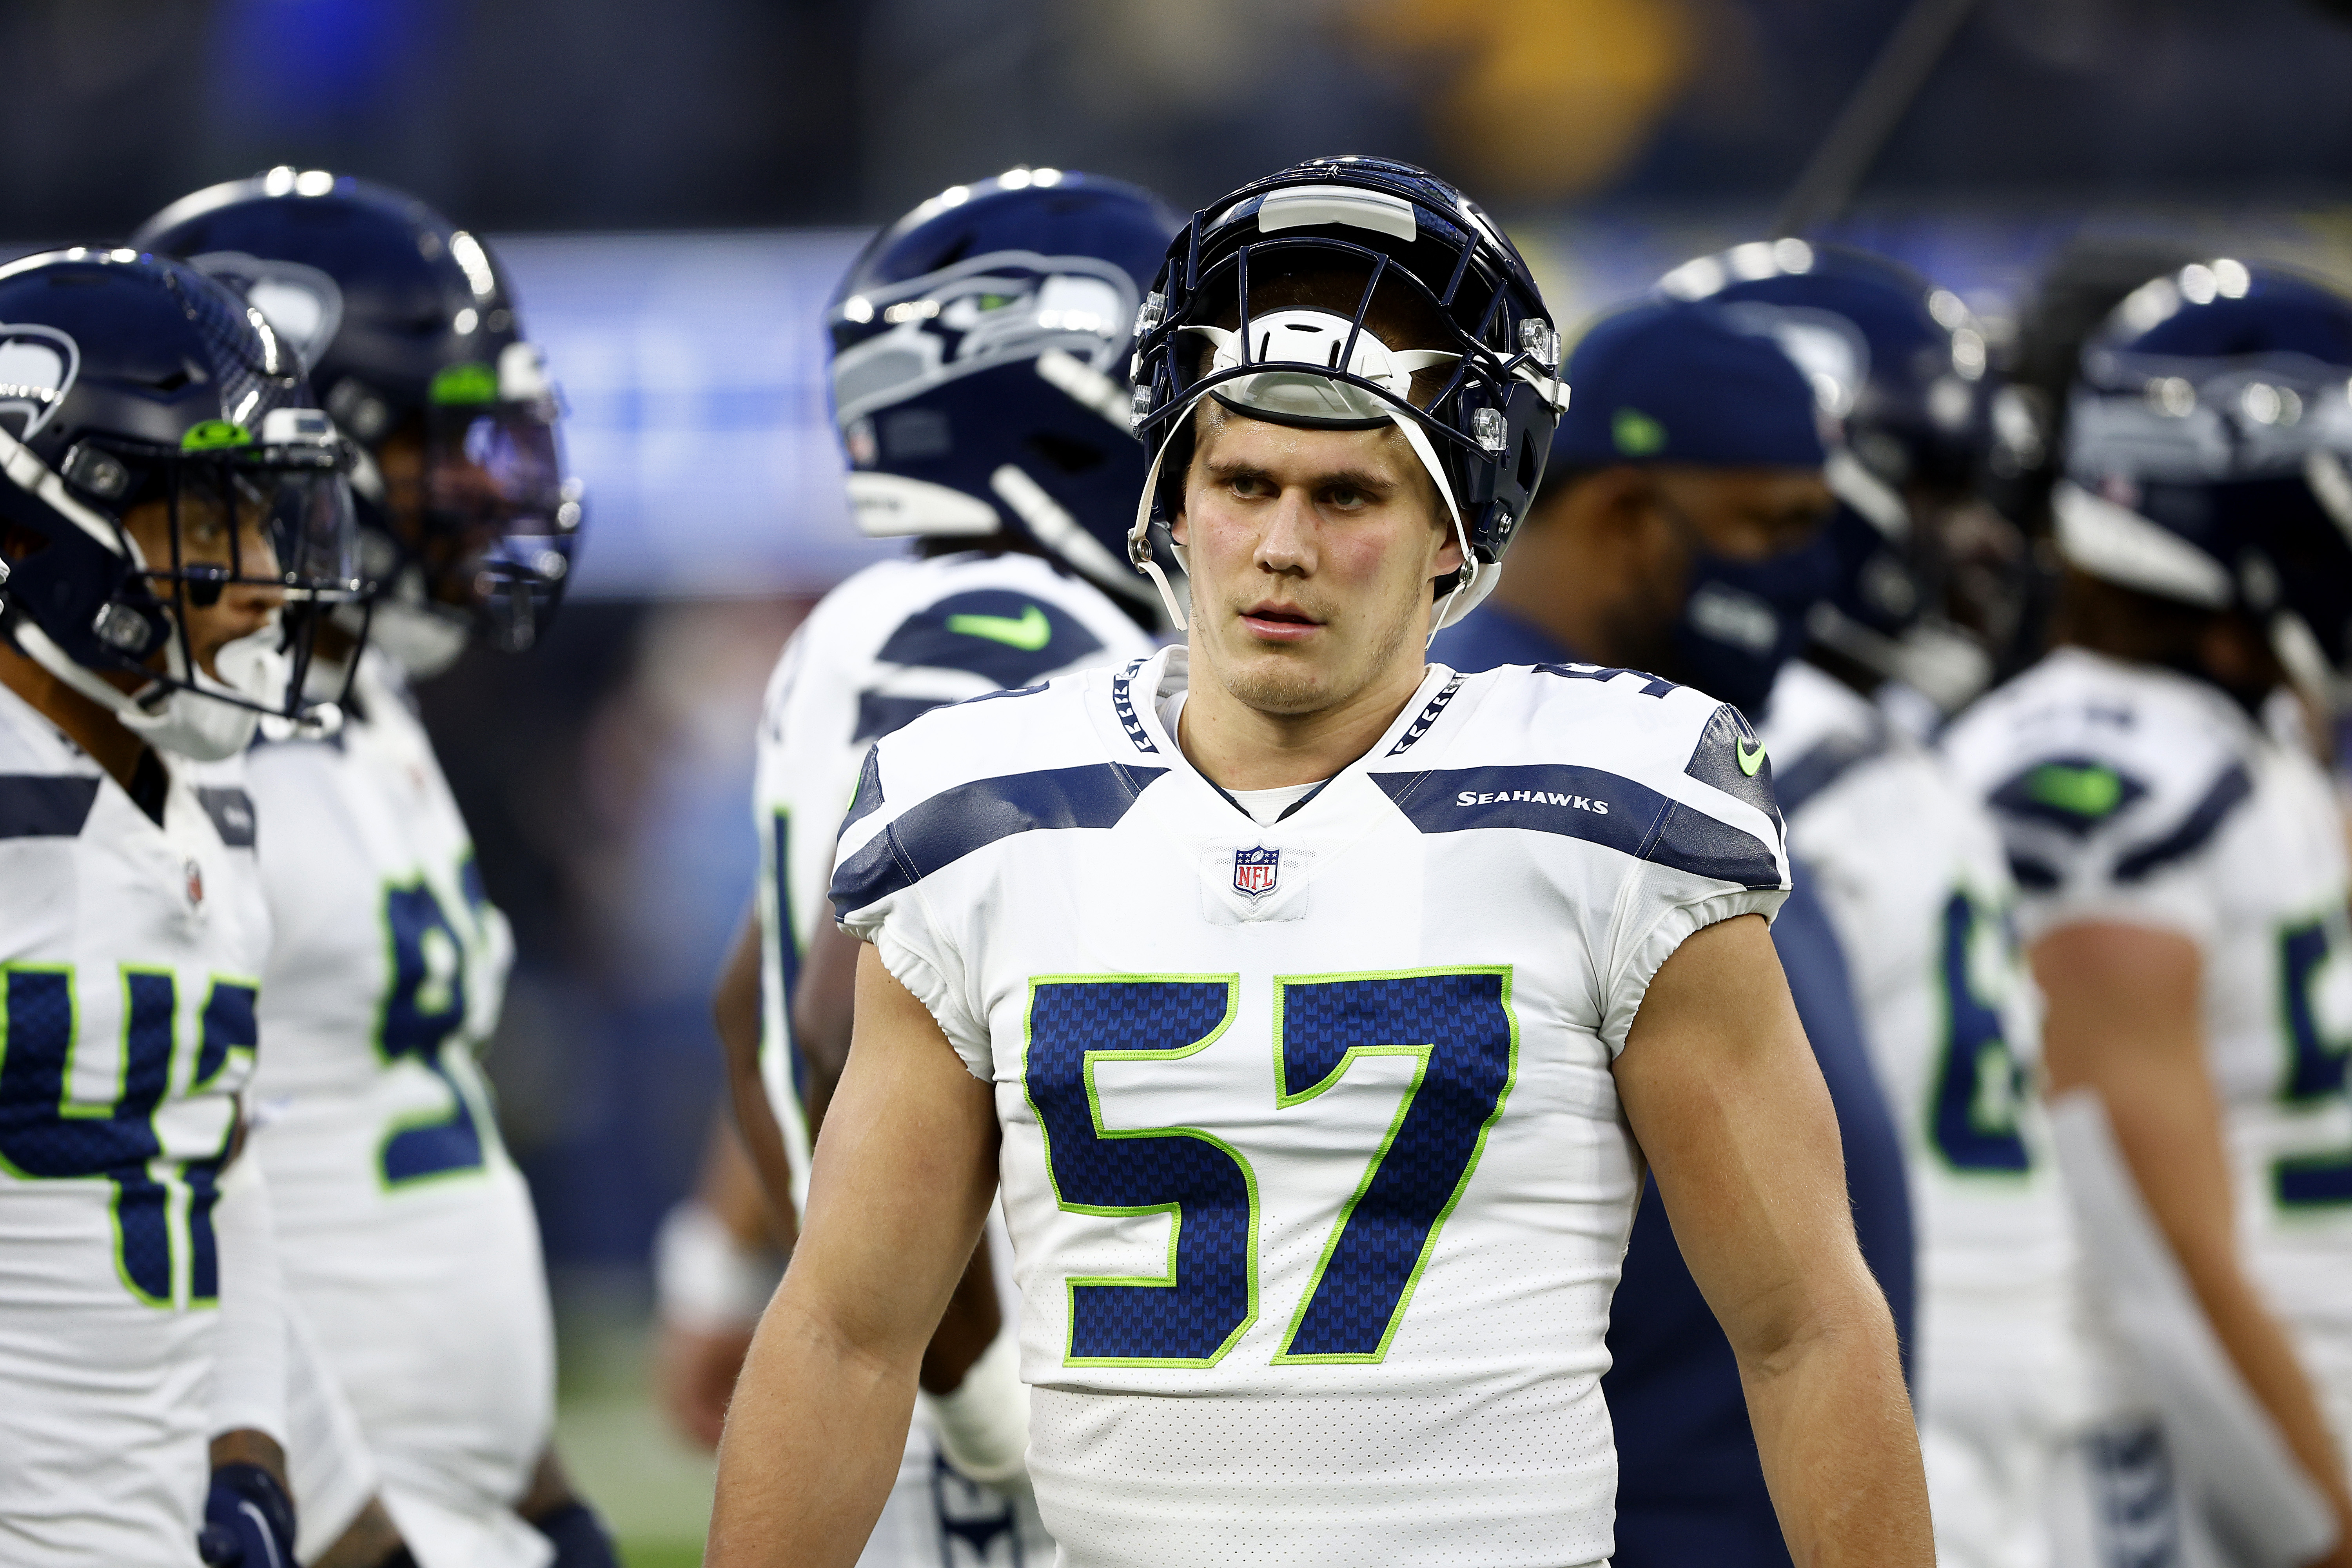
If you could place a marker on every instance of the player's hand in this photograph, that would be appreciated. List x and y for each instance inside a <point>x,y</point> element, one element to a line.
<point>248,1519</point>
<point>694,1375</point>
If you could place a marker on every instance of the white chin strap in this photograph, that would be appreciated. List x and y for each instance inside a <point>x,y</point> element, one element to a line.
<point>204,725</point>
<point>1300,349</point>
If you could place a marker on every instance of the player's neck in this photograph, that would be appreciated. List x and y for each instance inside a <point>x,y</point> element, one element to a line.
<point>1238,747</point>
<point>85,723</point>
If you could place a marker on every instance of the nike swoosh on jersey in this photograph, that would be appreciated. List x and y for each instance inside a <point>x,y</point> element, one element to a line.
<point>1028,632</point>
<point>1751,758</point>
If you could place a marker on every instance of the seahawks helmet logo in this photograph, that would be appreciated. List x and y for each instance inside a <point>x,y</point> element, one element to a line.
<point>38,366</point>
<point>998,309</point>
<point>303,305</point>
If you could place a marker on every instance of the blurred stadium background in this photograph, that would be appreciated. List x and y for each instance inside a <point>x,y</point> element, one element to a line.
<point>675,187</point>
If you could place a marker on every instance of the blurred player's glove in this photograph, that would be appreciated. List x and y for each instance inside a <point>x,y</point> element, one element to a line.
<point>248,1520</point>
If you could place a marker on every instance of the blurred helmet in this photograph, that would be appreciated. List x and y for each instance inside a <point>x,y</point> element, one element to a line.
<point>1422,250</point>
<point>1902,364</point>
<point>2209,456</point>
<point>470,520</point>
<point>978,346</point>
<point>127,382</point>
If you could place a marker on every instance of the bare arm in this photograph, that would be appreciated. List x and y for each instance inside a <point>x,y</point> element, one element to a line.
<point>823,1007</point>
<point>906,1171</point>
<point>1729,1107</point>
<point>735,1013</point>
<point>2123,1020</point>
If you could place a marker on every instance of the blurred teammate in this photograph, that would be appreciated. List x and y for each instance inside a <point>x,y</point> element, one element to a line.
<point>2182,867</point>
<point>1305,993</point>
<point>408,1232</point>
<point>1911,867</point>
<point>165,486</point>
<point>978,345</point>
<point>1678,530</point>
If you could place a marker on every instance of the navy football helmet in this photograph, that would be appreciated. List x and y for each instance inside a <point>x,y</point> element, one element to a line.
<point>1484,434</point>
<point>133,391</point>
<point>2209,456</point>
<point>1927,575</point>
<point>978,344</point>
<point>469,519</point>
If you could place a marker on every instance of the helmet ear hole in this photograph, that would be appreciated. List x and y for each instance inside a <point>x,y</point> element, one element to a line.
<point>1530,464</point>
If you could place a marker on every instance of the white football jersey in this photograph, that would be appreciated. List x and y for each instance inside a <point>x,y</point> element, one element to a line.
<point>2135,795</point>
<point>129,958</point>
<point>1312,1153</point>
<point>1911,870</point>
<point>409,1238</point>
<point>899,638</point>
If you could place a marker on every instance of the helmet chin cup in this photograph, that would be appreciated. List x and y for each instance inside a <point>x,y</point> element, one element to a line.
<point>423,637</point>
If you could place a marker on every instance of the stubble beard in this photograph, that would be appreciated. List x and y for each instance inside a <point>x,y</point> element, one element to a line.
<point>1271,682</point>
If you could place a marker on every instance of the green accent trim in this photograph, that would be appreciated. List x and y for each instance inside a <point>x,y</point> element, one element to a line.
<point>1028,631</point>
<point>1749,761</point>
<point>458,1103</point>
<point>471,384</point>
<point>2089,791</point>
<point>2329,919</point>
<point>1636,433</point>
<point>1983,914</point>
<point>69,1109</point>
<point>1284,1100</point>
<point>1174,1211</point>
<point>214,436</point>
<point>214,984</point>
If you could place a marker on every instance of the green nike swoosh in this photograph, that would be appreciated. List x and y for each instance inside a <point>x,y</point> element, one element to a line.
<point>1029,632</point>
<point>1749,761</point>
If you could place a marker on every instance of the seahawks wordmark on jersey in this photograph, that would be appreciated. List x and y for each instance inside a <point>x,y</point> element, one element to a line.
<point>1316,1163</point>
<point>897,639</point>
<point>409,1238</point>
<point>2136,795</point>
<point>1912,871</point>
<point>130,956</point>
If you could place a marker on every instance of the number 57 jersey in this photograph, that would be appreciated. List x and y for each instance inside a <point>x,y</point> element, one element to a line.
<point>1312,1155</point>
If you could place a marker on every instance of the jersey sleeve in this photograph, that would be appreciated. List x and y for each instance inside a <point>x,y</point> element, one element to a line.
<point>1714,846</point>
<point>878,894</point>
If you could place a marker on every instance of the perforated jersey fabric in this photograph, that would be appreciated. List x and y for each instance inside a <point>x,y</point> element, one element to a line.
<point>1313,1159</point>
<point>130,953</point>
<point>408,1239</point>
<point>2135,795</point>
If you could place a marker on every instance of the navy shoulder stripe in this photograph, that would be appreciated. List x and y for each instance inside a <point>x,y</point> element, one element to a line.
<point>868,797</point>
<point>969,817</point>
<point>1591,803</point>
<point>2229,792</point>
<point>231,810</point>
<point>1006,639</point>
<point>1730,758</point>
<point>2073,794</point>
<point>45,805</point>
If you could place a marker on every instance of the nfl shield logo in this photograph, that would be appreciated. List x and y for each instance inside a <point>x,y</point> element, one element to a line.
<point>1255,870</point>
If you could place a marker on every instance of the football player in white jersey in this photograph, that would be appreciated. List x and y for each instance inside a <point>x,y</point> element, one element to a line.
<point>2182,870</point>
<point>409,1237</point>
<point>1318,1014</point>
<point>166,485</point>
<point>978,344</point>
<point>1912,869</point>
